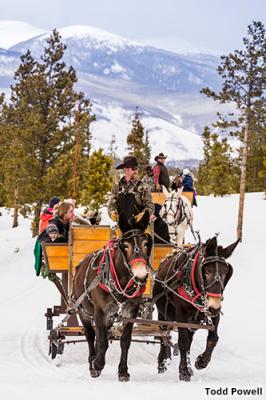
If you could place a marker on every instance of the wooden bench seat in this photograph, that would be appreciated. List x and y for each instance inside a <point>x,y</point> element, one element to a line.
<point>87,239</point>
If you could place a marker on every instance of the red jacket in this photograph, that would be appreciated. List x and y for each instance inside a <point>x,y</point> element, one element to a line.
<point>44,219</point>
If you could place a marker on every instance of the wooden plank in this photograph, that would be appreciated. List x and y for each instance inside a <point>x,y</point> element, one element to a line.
<point>77,258</point>
<point>160,252</point>
<point>87,246</point>
<point>91,233</point>
<point>57,264</point>
<point>188,195</point>
<point>56,251</point>
<point>158,198</point>
<point>169,324</point>
<point>148,289</point>
<point>56,256</point>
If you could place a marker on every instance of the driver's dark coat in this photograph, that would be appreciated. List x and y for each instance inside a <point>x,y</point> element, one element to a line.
<point>130,197</point>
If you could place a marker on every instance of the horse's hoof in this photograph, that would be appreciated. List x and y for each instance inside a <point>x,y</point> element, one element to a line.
<point>95,373</point>
<point>162,368</point>
<point>176,350</point>
<point>184,377</point>
<point>124,378</point>
<point>200,363</point>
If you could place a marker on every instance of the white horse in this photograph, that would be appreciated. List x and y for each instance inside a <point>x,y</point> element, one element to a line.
<point>177,212</point>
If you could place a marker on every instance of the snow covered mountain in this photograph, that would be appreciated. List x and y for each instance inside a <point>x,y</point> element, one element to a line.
<point>12,32</point>
<point>100,53</point>
<point>119,74</point>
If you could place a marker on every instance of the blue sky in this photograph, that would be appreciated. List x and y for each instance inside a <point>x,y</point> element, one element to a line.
<point>218,25</point>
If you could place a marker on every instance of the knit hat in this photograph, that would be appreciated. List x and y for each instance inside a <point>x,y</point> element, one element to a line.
<point>51,228</point>
<point>53,201</point>
<point>186,171</point>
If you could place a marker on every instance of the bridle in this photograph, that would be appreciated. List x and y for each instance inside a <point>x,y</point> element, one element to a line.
<point>138,254</point>
<point>109,281</point>
<point>217,277</point>
<point>180,209</point>
<point>192,289</point>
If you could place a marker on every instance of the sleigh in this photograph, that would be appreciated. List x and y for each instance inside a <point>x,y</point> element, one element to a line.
<point>63,259</point>
<point>159,197</point>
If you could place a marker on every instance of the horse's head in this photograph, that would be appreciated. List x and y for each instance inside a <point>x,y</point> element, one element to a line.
<point>170,206</point>
<point>136,245</point>
<point>216,272</point>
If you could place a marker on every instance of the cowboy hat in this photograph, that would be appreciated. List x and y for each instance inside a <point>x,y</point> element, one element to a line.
<point>128,162</point>
<point>160,155</point>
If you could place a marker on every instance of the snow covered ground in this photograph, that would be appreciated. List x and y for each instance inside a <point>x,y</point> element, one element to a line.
<point>238,360</point>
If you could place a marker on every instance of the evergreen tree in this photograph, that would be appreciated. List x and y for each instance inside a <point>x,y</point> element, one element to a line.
<point>147,148</point>
<point>136,144</point>
<point>244,82</point>
<point>112,152</point>
<point>2,152</point>
<point>217,172</point>
<point>99,180</point>
<point>43,118</point>
<point>203,187</point>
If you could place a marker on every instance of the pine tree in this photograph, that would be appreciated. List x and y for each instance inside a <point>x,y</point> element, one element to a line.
<point>112,152</point>
<point>136,144</point>
<point>147,148</point>
<point>42,114</point>
<point>244,82</point>
<point>99,180</point>
<point>217,172</point>
<point>2,152</point>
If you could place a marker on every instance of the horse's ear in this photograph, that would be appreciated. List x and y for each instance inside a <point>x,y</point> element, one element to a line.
<point>227,251</point>
<point>144,222</point>
<point>123,223</point>
<point>178,192</point>
<point>210,247</point>
<point>165,192</point>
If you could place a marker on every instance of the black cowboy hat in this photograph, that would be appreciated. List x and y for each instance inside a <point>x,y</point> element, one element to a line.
<point>160,155</point>
<point>128,162</point>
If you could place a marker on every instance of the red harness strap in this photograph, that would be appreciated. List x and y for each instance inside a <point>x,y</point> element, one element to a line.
<point>182,292</point>
<point>109,247</point>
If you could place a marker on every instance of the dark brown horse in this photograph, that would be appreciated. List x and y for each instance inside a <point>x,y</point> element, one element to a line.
<point>121,269</point>
<point>189,288</point>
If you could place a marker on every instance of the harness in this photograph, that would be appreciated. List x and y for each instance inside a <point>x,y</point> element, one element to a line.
<point>109,280</point>
<point>189,283</point>
<point>179,214</point>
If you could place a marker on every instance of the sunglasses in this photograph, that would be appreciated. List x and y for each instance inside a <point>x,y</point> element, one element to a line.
<point>135,168</point>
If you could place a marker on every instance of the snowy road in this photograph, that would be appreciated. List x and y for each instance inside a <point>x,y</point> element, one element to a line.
<point>239,359</point>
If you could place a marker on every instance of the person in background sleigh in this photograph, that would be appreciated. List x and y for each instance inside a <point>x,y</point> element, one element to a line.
<point>160,172</point>
<point>48,213</point>
<point>188,184</point>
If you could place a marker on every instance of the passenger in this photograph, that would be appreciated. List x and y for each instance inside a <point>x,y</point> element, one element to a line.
<point>91,217</point>
<point>177,182</point>
<point>52,235</point>
<point>94,217</point>
<point>62,219</point>
<point>148,178</point>
<point>161,176</point>
<point>160,227</point>
<point>130,195</point>
<point>188,184</point>
<point>48,214</point>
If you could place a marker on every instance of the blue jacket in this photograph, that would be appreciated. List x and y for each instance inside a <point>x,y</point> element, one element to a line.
<point>188,183</point>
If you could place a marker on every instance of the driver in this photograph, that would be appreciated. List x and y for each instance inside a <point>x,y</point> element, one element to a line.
<point>130,195</point>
